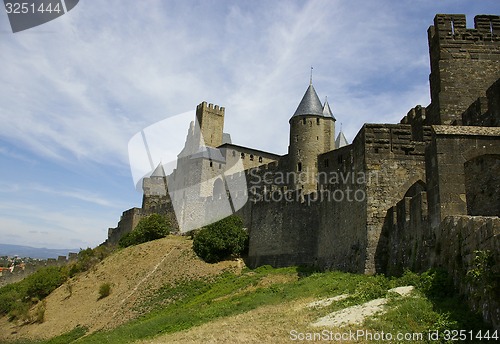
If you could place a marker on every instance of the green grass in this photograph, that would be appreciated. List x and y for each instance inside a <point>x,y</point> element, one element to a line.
<point>192,303</point>
<point>65,338</point>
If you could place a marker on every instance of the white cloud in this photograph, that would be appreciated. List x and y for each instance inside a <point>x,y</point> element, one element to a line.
<point>66,192</point>
<point>64,226</point>
<point>102,73</point>
<point>75,90</point>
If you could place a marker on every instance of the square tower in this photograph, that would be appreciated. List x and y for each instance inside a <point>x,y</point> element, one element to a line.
<point>210,119</point>
<point>463,61</point>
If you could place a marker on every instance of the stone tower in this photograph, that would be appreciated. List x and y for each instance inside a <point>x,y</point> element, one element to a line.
<point>463,61</point>
<point>210,119</point>
<point>154,188</point>
<point>312,132</point>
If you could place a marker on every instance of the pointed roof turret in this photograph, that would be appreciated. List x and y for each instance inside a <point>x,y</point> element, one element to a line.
<point>158,172</point>
<point>341,141</point>
<point>310,104</point>
<point>327,112</point>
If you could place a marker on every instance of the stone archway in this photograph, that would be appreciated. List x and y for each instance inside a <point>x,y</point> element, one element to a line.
<point>218,188</point>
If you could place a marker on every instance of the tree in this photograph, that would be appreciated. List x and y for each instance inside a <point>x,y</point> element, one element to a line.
<point>149,228</point>
<point>221,240</point>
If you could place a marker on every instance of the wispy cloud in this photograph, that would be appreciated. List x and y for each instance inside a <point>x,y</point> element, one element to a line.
<point>15,155</point>
<point>75,90</point>
<point>105,72</point>
<point>54,227</point>
<point>72,193</point>
<point>83,195</point>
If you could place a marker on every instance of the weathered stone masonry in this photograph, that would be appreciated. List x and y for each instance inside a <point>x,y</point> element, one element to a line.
<point>423,193</point>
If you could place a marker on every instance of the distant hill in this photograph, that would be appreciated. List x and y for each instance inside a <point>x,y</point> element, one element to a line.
<point>34,252</point>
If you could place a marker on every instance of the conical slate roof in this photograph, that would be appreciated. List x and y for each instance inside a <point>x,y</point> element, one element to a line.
<point>310,104</point>
<point>341,141</point>
<point>327,112</point>
<point>158,172</point>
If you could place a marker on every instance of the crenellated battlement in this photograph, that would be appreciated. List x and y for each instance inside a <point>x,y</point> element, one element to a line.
<point>210,119</point>
<point>215,109</point>
<point>464,62</point>
<point>454,27</point>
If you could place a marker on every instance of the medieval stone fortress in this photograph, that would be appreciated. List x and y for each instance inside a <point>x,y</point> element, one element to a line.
<point>414,195</point>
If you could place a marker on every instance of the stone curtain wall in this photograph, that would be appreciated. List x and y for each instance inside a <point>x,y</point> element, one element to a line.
<point>410,243</point>
<point>399,163</point>
<point>342,227</point>
<point>129,219</point>
<point>485,111</point>
<point>460,237</point>
<point>7,277</point>
<point>283,233</point>
<point>450,149</point>
<point>482,185</point>
<point>351,236</point>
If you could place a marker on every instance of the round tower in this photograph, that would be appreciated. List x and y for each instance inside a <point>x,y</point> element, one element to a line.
<point>312,132</point>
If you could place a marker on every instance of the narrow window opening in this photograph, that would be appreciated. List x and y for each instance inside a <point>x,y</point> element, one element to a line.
<point>452,28</point>
<point>234,153</point>
<point>260,159</point>
<point>220,166</point>
<point>303,121</point>
<point>299,167</point>
<point>251,157</point>
<point>317,121</point>
<point>491,27</point>
<point>317,138</point>
<point>211,164</point>
<point>243,155</point>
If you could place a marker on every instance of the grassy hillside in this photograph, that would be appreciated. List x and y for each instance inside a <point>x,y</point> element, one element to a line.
<point>133,274</point>
<point>194,302</point>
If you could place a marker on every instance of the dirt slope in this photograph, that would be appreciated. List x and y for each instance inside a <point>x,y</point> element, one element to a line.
<point>134,273</point>
<point>266,324</point>
<point>279,324</point>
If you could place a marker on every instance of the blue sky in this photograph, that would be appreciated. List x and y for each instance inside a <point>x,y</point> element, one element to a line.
<point>75,90</point>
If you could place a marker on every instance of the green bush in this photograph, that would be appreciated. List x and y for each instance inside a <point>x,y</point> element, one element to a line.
<point>149,228</point>
<point>481,273</point>
<point>374,287</point>
<point>221,240</point>
<point>104,290</point>
<point>87,259</point>
<point>17,298</point>
<point>9,295</point>
<point>44,281</point>
<point>436,283</point>
<point>20,310</point>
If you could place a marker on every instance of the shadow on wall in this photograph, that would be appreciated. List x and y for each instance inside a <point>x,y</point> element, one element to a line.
<point>482,185</point>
